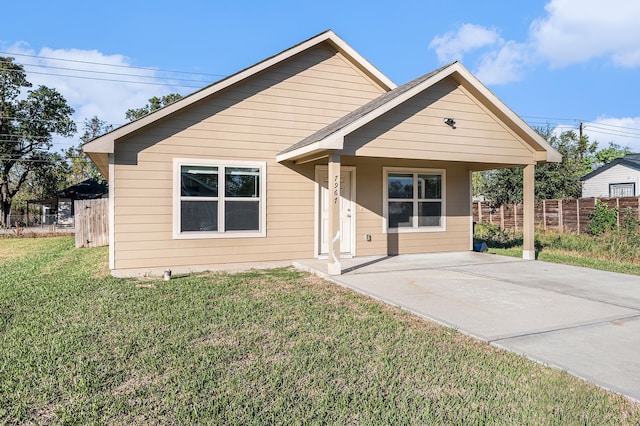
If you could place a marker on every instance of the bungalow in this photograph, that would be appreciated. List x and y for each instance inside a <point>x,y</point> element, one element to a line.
<point>312,152</point>
<point>618,178</point>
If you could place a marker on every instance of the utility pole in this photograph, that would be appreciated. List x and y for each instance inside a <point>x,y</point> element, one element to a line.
<point>581,130</point>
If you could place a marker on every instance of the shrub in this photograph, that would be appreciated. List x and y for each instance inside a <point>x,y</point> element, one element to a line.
<point>602,219</point>
<point>496,237</point>
<point>629,222</point>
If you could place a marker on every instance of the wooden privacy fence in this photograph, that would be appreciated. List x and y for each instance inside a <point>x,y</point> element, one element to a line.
<point>567,215</point>
<point>92,222</point>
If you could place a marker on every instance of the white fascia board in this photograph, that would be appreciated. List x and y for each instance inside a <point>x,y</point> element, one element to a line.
<point>552,155</point>
<point>300,152</point>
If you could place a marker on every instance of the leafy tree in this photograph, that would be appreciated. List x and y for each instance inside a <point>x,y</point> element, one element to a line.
<point>80,167</point>
<point>154,104</point>
<point>553,180</point>
<point>613,151</point>
<point>27,125</point>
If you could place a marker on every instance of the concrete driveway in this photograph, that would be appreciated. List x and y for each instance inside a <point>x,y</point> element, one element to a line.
<point>584,321</point>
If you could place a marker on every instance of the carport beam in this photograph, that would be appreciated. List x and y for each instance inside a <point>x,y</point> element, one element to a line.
<point>528,228</point>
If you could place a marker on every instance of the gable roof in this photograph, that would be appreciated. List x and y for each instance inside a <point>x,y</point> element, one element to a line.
<point>332,136</point>
<point>98,148</point>
<point>630,160</point>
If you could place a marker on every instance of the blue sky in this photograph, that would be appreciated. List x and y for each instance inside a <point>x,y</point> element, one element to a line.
<point>552,61</point>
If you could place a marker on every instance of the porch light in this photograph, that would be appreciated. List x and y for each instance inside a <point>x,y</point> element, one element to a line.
<point>450,122</point>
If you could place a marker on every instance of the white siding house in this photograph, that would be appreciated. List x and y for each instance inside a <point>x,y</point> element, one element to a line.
<point>619,178</point>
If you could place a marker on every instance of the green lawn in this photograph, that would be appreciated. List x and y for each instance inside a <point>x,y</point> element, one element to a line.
<point>264,347</point>
<point>615,251</point>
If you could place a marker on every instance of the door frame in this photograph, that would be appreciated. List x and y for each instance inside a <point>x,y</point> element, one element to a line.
<point>318,206</point>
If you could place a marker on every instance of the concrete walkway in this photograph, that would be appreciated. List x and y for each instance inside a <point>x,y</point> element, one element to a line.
<point>584,321</point>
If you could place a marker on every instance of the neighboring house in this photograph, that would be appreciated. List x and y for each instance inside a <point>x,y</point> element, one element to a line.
<point>618,178</point>
<point>310,153</point>
<point>59,210</point>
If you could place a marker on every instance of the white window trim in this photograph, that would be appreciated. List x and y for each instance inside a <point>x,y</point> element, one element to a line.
<point>189,235</point>
<point>619,184</point>
<point>385,202</point>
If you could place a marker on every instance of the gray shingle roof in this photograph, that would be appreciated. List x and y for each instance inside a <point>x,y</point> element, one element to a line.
<point>362,111</point>
<point>629,160</point>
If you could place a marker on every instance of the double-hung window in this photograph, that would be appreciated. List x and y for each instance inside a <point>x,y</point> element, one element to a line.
<point>414,200</point>
<point>214,199</point>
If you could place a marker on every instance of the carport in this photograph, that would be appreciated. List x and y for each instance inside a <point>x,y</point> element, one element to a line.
<point>584,321</point>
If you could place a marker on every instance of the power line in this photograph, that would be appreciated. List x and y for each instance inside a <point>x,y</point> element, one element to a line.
<point>618,132</point>
<point>115,81</point>
<point>111,65</point>
<point>105,72</point>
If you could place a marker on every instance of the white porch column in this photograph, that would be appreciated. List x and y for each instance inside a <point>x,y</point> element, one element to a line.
<point>528,192</point>
<point>334,267</point>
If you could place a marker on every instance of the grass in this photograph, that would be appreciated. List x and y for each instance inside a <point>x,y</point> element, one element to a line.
<point>615,251</point>
<point>262,347</point>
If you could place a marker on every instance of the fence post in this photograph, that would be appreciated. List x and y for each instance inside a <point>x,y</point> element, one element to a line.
<point>618,211</point>
<point>544,214</point>
<point>560,218</point>
<point>578,214</point>
<point>479,211</point>
<point>502,216</point>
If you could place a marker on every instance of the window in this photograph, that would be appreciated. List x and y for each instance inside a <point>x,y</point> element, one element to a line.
<point>622,190</point>
<point>414,200</point>
<point>216,199</point>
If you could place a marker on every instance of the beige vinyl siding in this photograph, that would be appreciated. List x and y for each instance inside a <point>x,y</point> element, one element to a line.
<point>252,121</point>
<point>369,210</point>
<point>416,129</point>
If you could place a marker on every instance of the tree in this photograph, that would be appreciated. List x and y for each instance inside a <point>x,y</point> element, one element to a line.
<point>27,126</point>
<point>553,180</point>
<point>607,155</point>
<point>80,167</point>
<point>154,104</point>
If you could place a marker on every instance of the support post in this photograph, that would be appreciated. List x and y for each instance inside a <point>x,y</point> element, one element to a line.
<point>528,228</point>
<point>334,267</point>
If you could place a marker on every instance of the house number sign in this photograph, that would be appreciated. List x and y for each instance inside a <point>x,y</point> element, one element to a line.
<point>336,187</point>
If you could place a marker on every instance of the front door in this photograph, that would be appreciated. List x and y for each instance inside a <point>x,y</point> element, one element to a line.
<point>346,212</point>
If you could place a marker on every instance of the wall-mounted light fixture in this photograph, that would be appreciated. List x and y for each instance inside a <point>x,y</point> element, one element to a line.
<point>450,122</point>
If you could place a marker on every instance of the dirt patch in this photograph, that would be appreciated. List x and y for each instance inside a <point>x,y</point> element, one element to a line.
<point>134,383</point>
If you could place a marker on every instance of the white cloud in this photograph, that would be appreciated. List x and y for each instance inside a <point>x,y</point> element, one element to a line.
<point>623,131</point>
<point>578,30</point>
<point>453,45</point>
<point>83,78</point>
<point>504,65</point>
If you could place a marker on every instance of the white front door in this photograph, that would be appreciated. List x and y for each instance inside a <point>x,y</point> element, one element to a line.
<point>347,215</point>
